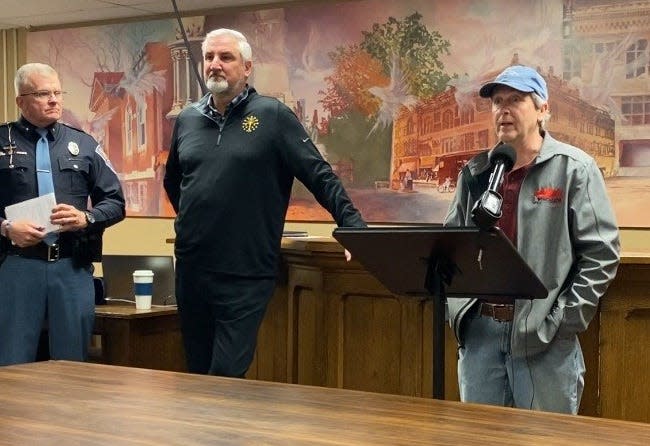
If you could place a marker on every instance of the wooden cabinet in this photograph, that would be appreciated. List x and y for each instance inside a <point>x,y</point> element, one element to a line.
<point>625,345</point>
<point>332,324</point>
<point>138,338</point>
<point>344,329</point>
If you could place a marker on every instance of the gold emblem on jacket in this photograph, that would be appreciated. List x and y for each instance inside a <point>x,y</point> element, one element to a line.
<point>250,124</point>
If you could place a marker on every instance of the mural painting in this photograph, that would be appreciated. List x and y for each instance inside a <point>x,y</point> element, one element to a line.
<point>387,90</point>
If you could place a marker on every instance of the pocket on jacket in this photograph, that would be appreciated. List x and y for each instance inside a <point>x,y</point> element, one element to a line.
<point>74,173</point>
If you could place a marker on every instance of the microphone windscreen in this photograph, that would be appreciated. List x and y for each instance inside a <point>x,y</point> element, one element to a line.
<point>504,153</point>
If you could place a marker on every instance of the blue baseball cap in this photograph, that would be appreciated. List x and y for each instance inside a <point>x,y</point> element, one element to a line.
<point>520,78</point>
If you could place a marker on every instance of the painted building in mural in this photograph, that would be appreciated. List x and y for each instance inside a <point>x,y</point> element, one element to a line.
<point>606,43</point>
<point>137,139</point>
<point>435,139</point>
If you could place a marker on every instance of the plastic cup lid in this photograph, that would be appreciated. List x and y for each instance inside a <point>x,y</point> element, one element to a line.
<point>143,272</point>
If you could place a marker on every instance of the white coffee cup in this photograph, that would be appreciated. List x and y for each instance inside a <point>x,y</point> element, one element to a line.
<point>143,288</point>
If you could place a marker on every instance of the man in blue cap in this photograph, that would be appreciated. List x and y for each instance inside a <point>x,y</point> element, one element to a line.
<point>556,212</point>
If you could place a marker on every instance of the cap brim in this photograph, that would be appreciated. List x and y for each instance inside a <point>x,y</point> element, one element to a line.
<point>486,90</point>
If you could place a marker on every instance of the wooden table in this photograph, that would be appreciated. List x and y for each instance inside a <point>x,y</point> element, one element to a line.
<point>59,402</point>
<point>139,338</point>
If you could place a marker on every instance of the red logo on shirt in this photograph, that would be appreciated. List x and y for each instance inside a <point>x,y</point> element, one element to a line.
<point>549,194</point>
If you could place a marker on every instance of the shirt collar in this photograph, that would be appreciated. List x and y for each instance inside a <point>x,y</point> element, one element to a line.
<point>234,103</point>
<point>28,128</point>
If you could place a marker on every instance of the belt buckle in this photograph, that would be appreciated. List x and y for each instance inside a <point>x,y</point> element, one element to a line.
<point>53,252</point>
<point>495,311</point>
<point>500,307</point>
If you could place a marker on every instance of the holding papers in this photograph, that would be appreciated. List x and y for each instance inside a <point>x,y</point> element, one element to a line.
<point>36,209</point>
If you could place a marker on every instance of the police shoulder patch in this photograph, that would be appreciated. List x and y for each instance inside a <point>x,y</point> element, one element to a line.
<point>99,151</point>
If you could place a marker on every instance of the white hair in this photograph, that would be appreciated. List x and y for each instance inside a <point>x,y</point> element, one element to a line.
<point>244,47</point>
<point>538,101</point>
<point>25,71</point>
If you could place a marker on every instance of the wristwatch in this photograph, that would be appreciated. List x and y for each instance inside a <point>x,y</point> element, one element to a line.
<point>90,218</point>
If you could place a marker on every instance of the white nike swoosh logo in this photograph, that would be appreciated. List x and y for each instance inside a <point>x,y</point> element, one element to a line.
<point>305,140</point>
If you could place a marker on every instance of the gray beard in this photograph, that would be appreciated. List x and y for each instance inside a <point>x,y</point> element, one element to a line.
<point>217,86</point>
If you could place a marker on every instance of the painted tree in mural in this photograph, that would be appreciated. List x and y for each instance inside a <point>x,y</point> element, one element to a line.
<point>347,87</point>
<point>395,64</point>
<point>417,48</point>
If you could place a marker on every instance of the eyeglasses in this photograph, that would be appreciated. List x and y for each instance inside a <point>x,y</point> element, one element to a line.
<point>44,95</point>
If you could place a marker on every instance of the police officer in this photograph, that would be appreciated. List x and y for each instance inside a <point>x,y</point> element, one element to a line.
<point>51,278</point>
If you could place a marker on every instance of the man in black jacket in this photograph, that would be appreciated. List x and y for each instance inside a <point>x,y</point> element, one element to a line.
<point>233,158</point>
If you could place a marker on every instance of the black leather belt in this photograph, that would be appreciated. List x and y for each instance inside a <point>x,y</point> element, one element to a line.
<point>498,312</point>
<point>42,251</point>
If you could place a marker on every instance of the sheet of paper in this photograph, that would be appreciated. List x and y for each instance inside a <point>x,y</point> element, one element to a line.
<point>36,209</point>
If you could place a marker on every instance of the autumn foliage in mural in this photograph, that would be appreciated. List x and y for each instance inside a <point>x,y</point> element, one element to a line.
<point>347,87</point>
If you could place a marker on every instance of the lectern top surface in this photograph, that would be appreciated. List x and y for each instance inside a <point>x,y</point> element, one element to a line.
<point>485,262</point>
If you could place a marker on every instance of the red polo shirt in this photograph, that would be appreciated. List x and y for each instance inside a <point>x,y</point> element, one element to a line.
<point>510,192</point>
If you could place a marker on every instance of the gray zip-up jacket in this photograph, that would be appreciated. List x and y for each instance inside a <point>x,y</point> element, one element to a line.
<point>566,232</point>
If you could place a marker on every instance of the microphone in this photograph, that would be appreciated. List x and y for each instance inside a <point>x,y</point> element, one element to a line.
<point>487,210</point>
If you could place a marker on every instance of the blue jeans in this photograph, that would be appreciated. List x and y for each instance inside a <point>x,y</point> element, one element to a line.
<point>488,373</point>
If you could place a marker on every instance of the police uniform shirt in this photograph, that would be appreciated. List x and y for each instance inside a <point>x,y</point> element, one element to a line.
<point>79,170</point>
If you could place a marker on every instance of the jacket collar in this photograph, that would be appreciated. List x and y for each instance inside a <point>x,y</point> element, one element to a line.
<point>480,163</point>
<point>203,105</point>
<point>28,129</point>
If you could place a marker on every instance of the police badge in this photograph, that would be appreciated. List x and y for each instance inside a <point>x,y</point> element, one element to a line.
<point>73,148</point>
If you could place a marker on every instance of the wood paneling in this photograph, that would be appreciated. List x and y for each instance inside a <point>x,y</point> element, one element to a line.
<point>344,329</point>
<point>625,346</point>
<point>12,42</point>
<point>332,324</point>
